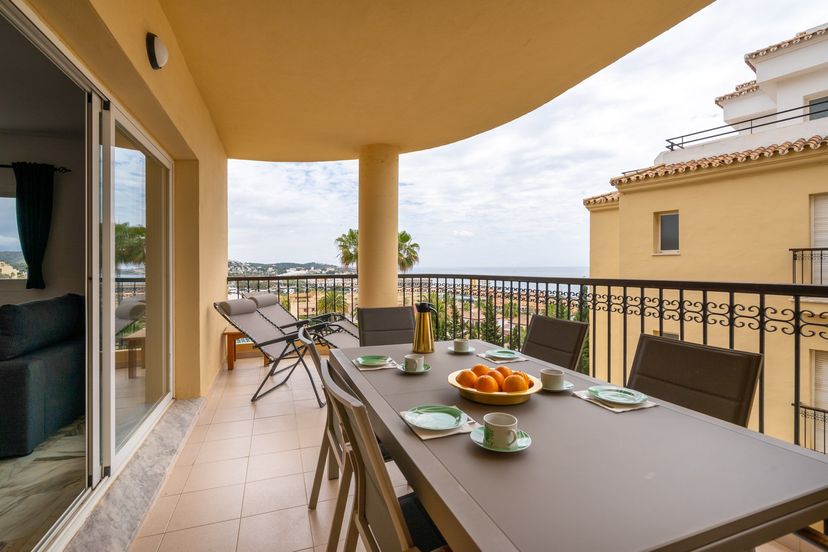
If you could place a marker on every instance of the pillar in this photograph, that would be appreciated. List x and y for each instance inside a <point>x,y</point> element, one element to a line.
<point>378,216</point>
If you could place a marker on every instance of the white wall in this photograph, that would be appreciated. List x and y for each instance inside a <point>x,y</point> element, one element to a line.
<point>64,264</point>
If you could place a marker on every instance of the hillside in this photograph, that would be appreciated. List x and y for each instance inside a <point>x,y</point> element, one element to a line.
<point>241,268</point>
<point>14,259</point>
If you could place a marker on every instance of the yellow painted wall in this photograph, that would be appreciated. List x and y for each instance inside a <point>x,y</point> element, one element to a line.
<point>107,37</point>
<point>736,225</point>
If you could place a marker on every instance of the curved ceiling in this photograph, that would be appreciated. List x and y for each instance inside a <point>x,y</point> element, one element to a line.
<point>315,80</point>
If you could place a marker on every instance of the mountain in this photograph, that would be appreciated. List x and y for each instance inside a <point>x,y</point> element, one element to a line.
<point>15,259</point>
<point>242,268</point>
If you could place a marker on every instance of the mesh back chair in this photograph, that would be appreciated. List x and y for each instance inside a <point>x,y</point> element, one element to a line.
<point>274,342</point>
<point>379,518</point>
<point>385,326</point>
<point>329,328</point>
<point>556,341</point>
<point>714,381</point>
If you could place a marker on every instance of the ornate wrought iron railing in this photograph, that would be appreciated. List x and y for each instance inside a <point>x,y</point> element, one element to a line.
<point>809,265</point>
<point>814,430</point>
<point>781,321</point>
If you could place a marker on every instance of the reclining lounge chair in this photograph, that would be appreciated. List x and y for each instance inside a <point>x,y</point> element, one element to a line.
<point>274,342</point>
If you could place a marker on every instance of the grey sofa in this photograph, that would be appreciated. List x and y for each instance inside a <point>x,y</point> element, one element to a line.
<point>42,370</point>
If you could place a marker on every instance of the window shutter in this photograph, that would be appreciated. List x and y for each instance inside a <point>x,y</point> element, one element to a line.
<point>821,379</point>
<point>820,237</point>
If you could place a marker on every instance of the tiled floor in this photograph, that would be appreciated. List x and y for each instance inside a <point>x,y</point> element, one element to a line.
<point>242,480</point>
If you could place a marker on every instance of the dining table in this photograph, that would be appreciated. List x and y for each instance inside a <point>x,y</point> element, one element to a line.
<point>661,478</point>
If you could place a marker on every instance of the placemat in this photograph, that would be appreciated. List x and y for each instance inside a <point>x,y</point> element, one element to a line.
<point>584,394</point>
<point>501,361</point>
<point>361,368</point>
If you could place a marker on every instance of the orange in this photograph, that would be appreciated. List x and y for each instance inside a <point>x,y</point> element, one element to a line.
<point>515,383</point>
<point>467,378</point>
<point>505,371</point>
<point>525,376</point>
<point>481,369</point>
<point>498,378</point>
<point>486,384</point>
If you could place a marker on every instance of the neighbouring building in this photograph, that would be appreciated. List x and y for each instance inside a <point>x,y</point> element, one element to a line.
<point>746,202</point>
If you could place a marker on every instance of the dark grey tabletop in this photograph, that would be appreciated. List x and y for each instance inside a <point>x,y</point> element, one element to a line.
<point>662,478</point>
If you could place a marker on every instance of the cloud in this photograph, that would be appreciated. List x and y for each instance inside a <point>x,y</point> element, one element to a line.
<point>512,196</point>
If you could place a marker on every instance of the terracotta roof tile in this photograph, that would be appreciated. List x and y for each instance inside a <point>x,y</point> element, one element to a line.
<point>804,36</point>
<point>609,197</point>
<point>741,90</point>
<point>813,143</point>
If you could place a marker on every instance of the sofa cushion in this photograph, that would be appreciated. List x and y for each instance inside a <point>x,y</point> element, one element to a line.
<point>27,327</point>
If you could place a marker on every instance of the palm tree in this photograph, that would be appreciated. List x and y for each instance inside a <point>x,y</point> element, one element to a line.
<point>130,244</point>
<point>347,244</point>
<point>331,301</point>
<point>408,251</point>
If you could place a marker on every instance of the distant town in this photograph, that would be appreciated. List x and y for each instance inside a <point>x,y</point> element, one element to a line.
<point>12,265</point>
<point>240,268</point>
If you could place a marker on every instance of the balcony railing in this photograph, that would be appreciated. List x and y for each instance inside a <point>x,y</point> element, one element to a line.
<point>765,318</point>
<point>747,125</point>
<point>814,428</point>
<point>809,265</point>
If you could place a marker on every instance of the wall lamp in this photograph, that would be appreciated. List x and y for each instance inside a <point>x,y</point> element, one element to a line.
<point>157,51</point>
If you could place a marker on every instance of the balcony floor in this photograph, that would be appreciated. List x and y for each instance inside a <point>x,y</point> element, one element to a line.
<point>242,480</point>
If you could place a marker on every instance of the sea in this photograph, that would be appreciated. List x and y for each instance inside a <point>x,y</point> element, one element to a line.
<point>533,271</point>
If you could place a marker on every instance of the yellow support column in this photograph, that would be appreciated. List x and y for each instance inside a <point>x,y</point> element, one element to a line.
<point>378,214</point>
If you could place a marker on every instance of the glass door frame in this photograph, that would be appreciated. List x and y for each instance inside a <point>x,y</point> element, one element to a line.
<point>112,458</point>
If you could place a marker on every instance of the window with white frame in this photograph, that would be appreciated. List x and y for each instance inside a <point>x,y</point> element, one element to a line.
<point>667,232</point>
<point>818,430</point>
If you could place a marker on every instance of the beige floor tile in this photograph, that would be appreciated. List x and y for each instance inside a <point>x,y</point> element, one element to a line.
<point>278,493</point>
<point>310,456</point>
<point>224,449</point>
<point>306,394</point>
<point>311,419</point>
<point>240,390</point>
<point>176,480</point>
<point>321,518</point>
<point>327,489</point>
<point>216,474</point>
<point>790,540</point>
<point>281,531</point>
<point>266,466</point>
<point>216,537</point>
<point>309,405</point>
<point>197,434</point>
<point>234,401</point>
<point>397,478</point>
<point>205,416</point>
<point>279,441</point>
<point>267,410</point>
<point>210,506</point>
<point>146,544</point>
<point>229,430</point>
<point>158,517</point>
<point>234,414</point>
<point>274,423</point>
<point>188,453</point>
<point>772,546</point>
<point>310,437</point>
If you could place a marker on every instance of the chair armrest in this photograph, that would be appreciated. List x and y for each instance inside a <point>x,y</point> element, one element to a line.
<point>287,337</point>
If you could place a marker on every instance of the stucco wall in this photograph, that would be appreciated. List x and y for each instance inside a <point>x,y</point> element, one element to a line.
<point>108,40</point>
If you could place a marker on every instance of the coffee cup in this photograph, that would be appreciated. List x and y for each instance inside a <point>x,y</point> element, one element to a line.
<point>499,430</point>
<point>414,363</point>
<point>552,379</point>
<point>461,345</point>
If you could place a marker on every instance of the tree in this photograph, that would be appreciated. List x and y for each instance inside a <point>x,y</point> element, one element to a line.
<point>331,301</point>
<point>130,244</point>
<point>348,244</point>
<point>408,251</point>
<point>488,328</point>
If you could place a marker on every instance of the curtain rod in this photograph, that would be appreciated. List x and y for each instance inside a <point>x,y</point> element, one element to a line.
<point>61,170</point>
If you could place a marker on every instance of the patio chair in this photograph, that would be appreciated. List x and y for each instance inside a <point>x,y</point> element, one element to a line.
<point>556,341</point>
<point>711,380</point>
<point>385,325</point>
<point>383,521</point>
<point>333,329</point>
<point>274,342</point>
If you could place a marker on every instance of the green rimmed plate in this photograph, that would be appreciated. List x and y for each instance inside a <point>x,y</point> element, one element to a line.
<point>502,354</point>
<point>373,360</point>
<point>522,443</point>
<point>435,417</point>
<point>617,395</point>
<point>426,368</point>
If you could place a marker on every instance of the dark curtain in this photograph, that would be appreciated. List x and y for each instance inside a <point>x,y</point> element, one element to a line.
<point>35,187</point>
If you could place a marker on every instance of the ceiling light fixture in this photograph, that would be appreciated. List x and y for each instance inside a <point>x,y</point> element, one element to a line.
<point>157,51</point>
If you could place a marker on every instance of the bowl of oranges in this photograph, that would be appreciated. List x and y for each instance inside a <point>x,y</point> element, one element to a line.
<point>498,386</point>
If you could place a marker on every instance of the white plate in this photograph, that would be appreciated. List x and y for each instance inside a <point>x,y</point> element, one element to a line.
<point>426,368</point>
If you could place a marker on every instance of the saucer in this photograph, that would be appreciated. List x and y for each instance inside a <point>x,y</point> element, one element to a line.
<point>426,368</point>
<point>567,386</point>
<point>435,417</point>
<point>502,354</point>
<point>468,351</point>
<point>373,360</point>
<point>522,443</point>
<point>617,395</point>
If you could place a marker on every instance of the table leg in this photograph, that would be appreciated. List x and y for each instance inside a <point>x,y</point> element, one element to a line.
<point>132,361</point>
<point>231,351</point>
